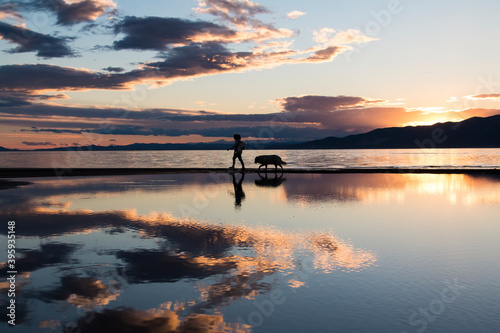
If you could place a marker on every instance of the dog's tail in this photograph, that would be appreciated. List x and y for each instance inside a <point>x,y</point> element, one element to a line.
<point>283,162</point>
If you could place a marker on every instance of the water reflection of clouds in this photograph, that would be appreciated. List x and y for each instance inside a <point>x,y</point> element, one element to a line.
<point>229,262</point>
<point>156,320</point>
<point>84,292</point>
<point>225,263</point>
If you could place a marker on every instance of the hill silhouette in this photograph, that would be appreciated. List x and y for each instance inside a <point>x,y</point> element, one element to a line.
<point>474,132</point>
<point>6,149</point>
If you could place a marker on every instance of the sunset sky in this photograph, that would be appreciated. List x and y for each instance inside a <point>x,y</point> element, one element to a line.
<point>74,73</point>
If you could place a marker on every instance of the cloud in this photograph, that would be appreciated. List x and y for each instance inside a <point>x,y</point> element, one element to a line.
<point>71,12</point>
<point>263,132</point>
<point>42,77</point>
<point>327,37</point>
<point>237,12</point>
<point>240,14</point>
<point>183,62</point>
<point>322,103</point>
<point>212,58</point>
<point>22,98</point>
<point>9,11</point>
<point>485,96</point>
<point>13,99</point>
<point>157,33</point>
<point>302,118</point>
<point>188,49</point>
<point>114,69</point>
<point>29,41</point>
<point>295,14</point>
<point>28,143</point>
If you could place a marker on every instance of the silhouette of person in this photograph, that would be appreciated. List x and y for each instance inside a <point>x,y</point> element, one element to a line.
<point>238,149</point>
<point>239,195</point>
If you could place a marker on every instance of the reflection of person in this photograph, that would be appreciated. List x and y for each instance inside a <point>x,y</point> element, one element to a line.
<point>238,149</point>
<point>239,195</point>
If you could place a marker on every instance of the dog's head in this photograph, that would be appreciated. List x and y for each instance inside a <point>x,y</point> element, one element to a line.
<point>258,159</point>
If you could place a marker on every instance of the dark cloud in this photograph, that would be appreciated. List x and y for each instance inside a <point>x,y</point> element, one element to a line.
<point>486,96</point>
<point>9,10</point>
<point>194,60</point>
<point>119,113</point>
<point>70,13</point>
<point>41,77</point>
<point>278,133</point>
<point>303,118</point>
<point>29,143</point>
<point>114,69</point>
<point>321,103</point>
<point>30,41</point>
<point>83,11</point>
<point>326,54</point>
<point>157,33</point>
<point>198,59</point>
<point>13,99</point>
<point>181,62</point>
<point>23,98</point>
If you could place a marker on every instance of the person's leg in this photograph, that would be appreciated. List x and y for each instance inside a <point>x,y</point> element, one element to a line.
<point>241,161</point>
<point>234,160</point>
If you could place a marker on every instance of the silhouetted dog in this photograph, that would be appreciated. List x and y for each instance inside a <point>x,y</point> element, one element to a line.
<point>269,159</point>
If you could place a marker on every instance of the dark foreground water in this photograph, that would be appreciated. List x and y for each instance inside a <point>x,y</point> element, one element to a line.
<point>213,253</point>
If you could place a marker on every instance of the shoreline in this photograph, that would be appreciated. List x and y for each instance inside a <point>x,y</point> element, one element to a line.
<point>81,172</point>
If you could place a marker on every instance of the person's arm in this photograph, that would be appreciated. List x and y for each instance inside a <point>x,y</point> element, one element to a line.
<point>232,147</point>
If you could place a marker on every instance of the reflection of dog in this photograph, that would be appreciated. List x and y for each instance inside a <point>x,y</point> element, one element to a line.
<point>270,182</point>
<point>269,159</point>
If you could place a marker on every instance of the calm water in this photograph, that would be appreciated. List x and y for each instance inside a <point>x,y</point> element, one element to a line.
<point>213,253</point>
<point>418,158</point>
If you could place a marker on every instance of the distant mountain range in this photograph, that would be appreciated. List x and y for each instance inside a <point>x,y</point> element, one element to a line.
<point>474,132</point>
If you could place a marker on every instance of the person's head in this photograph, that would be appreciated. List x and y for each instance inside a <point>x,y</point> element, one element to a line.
<point>237,137</point>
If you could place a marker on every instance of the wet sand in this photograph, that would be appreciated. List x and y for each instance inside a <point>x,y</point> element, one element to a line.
<point>79,172</point>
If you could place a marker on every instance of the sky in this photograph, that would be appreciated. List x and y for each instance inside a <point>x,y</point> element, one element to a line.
<point>116,72</point>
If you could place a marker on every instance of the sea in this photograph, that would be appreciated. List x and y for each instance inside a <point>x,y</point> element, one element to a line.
<point>248,252</point>
<point>297,159</point>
